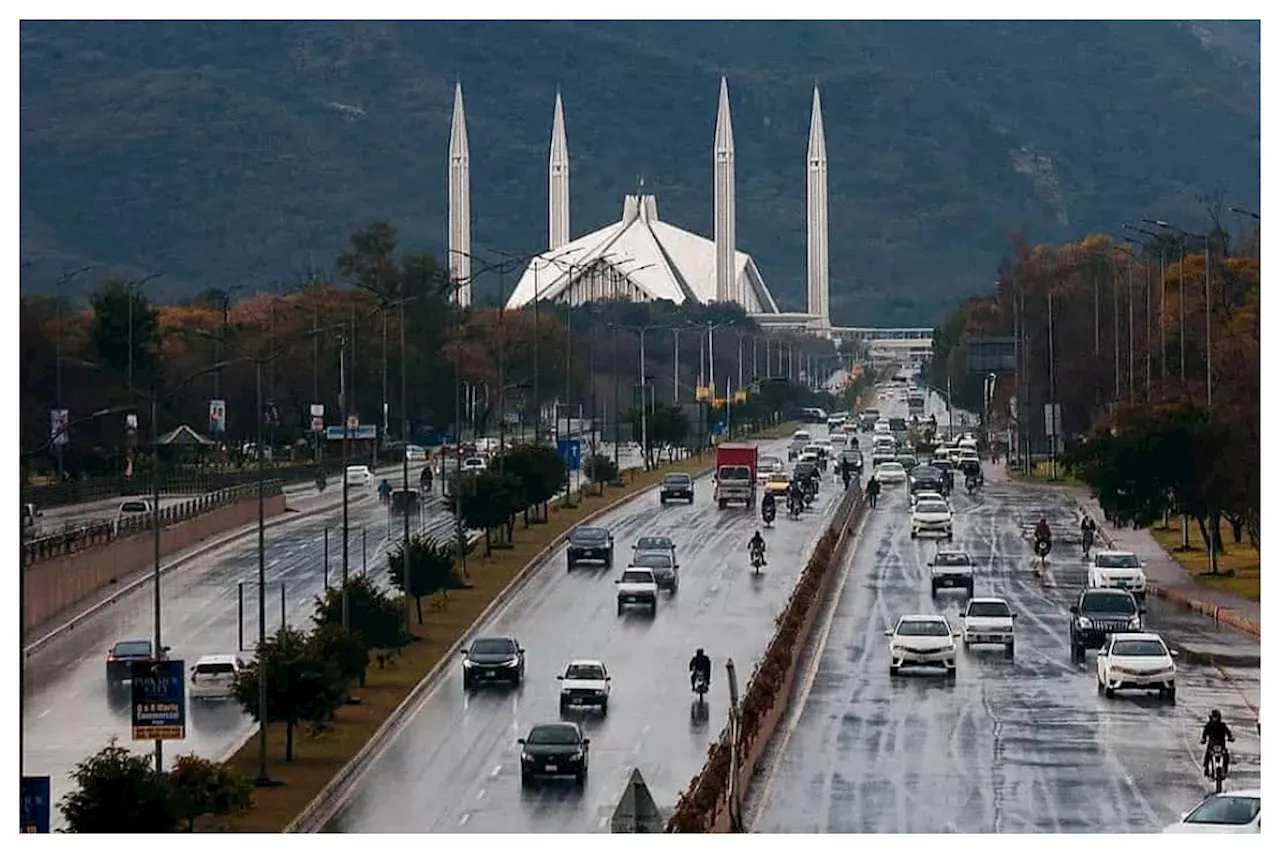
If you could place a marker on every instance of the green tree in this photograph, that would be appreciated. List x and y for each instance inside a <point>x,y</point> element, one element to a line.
<point>110,329</point>
<point>489,500</point>
<point>348,650</point>
<point>432,568</point>
<point>600,469</point>
<point>200,787</point>
<point>301,687</point>
<point>371,613</point>
<point>118,791</point>
<point>540,470</point>
<point>666,426</point>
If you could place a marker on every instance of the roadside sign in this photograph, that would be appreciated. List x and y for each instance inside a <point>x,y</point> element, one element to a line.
<point>35,806</point>
<point>358,432</point>
<point>217,417</point>
<point>159,700</point>
<point>636,811</point>
<point>59,420</point>
<point>1052,419</point>
<point>570,452</point>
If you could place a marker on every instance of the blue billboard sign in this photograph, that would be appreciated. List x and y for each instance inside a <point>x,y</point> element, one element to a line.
<point>35,806</point>
<point>159,700</point>
<point>570,452</point>
<point>364,432</point>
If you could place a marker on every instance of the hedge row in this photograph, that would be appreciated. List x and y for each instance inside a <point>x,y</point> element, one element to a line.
<point>698,806</point>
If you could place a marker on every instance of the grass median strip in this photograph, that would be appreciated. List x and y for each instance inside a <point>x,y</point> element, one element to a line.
<point>318,756</point>
<point>1240,565</point>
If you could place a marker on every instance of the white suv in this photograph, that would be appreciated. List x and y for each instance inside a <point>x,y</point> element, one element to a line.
<point>1118,570</point>
<point>639,588</point>
<point>987,620</point>
<point>213,675</point>
<point>951,570</point>
<point>1137,662</point>
<point>585,684</point>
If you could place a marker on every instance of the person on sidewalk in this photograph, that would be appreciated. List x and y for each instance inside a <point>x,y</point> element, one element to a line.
<point>873,490</point>
<point>1216,733</point>
<point>1087,532</point>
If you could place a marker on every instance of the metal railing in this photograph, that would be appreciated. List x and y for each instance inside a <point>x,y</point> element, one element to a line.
<point>96,533</point>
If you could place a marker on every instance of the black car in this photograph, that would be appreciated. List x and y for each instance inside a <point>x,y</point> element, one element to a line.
<point>676,487</point>
<point>590,544</point>
<point>1099,612</point>
<point>663,565</point>
<point>492,660</point>
<point>947,470</point>
<point>123,655</point>
<point>927,478</point>
<point>552,750</point>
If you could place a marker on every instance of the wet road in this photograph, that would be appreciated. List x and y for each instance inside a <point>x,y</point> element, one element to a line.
<point>1022,745</point>
<point>68,714</point>
<point>454,766</point>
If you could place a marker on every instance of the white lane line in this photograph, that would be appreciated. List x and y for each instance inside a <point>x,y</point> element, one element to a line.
<point>496,770</point>
<point>480,794</point>
<point>43,714</point>
<point>462,821</point>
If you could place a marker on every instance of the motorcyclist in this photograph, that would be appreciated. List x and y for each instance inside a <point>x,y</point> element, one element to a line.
<point>1088,530</point>
<point>795,493</point>
<point>756,544</point>
<point>384,490</point>
<point>873,489</point>
<point>425,479</point>
<point>699,664</point>
<point>1216,733</point>
<point>768,505</point>
<point>1042,531</point>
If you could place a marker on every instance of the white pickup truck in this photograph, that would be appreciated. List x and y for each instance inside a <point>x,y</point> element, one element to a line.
<point>637,588</point>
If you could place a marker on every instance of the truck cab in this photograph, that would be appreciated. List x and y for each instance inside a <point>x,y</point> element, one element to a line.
<point>735,476</point>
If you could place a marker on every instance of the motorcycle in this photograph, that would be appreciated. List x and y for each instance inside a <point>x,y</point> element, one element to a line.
<point>757,559</point>
<point>1218,766</point>
<point>768,512</point>
<point>793,506</point>
<point>320,483</point>
<point>971,484</point>
<point>1043,547</point>
<point>700,686</point>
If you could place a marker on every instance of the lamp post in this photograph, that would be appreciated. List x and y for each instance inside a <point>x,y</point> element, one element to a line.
<point>131,288</point>
<point>57,367</point>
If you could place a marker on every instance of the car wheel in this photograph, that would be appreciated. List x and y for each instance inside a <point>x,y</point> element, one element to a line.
<point>933,590</point>
<point>662,500</point>
<point>1008,650</point>
<point>653,608</point>
<point>526,780</point>
<point>950,536</point>
<point>1108,692</point>
<point>893,670</point>
<point>571,565</point>
<point>1077,653</point>
<point>564,707</point>
<point>951,673</point>
<point>581,779</point>
<point>619,608</point>
<point>1171,694</point>
<point>914,534</point>
<point>969,589</point>
<point>604,708</point>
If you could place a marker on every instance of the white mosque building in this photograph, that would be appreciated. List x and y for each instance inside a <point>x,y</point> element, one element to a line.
<point>641,257</point>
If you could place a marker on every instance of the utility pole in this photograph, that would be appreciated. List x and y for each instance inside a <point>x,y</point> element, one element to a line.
<point>675,370</point>
<point>617,435</point>
<point>346,484</point>
<point>404,440</point>
<point>1208,349</point>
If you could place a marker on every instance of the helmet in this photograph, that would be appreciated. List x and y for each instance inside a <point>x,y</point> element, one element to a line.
<point>1215,714</point>
<point>699,653</point>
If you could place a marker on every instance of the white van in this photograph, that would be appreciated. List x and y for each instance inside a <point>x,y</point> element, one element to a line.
<point>801,435</point>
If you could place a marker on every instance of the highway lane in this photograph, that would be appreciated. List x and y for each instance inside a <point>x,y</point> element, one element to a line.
<point>454,765</point>
<point>68,713</point>
<point>1025,745</point>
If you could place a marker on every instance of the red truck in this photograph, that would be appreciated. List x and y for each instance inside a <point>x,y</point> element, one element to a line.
<point>735,475</point>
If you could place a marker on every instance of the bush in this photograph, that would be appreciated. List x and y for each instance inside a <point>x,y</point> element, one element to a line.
<point>118,791</point>
<point>489,500</point>
<point>200,787</point>
<point>540,471</point>
<point>432,568</point>
<point>371,614</point>
<point>600,470</point>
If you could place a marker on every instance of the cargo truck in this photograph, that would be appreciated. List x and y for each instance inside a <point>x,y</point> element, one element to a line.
<point>735,475</point>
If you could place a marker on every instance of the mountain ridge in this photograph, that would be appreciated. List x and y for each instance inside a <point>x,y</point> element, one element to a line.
<point>249,151</point>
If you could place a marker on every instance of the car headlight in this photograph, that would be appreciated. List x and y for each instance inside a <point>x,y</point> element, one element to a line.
<point>1084,623</point>
<point>602,693</point>
<point>577,756</point>
<point>1135,622</point>
<point>514,662</point>
<point>524,756</point>
<point>467,663</point>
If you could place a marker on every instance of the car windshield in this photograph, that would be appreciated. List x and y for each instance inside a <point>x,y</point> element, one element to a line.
<point>134,506</point>
<point>1138,649</point>
<point>132,649</point>
<point>770,462</point>
<point>653,560</point>
<point>585,672</point>
<point>676,479</point>
<point>637,577</point>
<point>892,467</point>
<point>554,735</point>
<point>942,464</point>
<point>931,507</point>
<point>926,472</point>
<point>215,669</point>
<point>494,646</point>
<point>951,558</point>
<point>652,543</point>
<point>1226,810</point>
<point>923,628</point>
<point>779,478</point>
<point>734,472</point>
<point>988,609</point>
<point>1117,561</point>
<point>589,534</point>
<point>1101,603</point>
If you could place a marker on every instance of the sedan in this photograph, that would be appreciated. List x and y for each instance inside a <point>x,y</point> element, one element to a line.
<point>554,750</point>
<point>1234,812</point>
<point>890,473</point>
<point>931,516</point>
<point>987,620</point>
<point>922,641</point>
<point>777,484</point>
<point>663,565</point>
<point>1137,662</point>
<point>655,543</point>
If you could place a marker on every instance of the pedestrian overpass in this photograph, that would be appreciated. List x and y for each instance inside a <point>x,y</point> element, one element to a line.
<point>889,344</point>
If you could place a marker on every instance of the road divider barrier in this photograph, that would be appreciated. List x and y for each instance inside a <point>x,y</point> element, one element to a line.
<point>714,794</point>
<point>75,570</point>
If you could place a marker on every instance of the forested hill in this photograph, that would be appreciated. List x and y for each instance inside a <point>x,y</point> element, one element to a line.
<point>217,153</point>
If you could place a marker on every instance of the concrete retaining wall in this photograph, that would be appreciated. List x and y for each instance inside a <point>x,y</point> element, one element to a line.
<point>56,584</point>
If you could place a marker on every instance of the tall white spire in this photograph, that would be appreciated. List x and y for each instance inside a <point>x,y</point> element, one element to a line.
<point>819,258</point>
<point>726,211</point>
<point>460,201</point>
<point>558,204</point>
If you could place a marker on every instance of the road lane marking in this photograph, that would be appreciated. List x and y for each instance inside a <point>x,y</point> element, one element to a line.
<point>495,772</point>
<point>42,714</point>
<point>480,794</point>
<point>462,821</point>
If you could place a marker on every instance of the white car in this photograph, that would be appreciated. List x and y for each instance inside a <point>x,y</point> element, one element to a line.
<point>359,475</point>
<point>890,473</point>
<point>132,509</point>
<point>1234,812</point>
<point>474,465</point>
<point>1118,570</point>
<point>801,435</point>
<point>1137,662</point>
<point>951,569</point>
<point>766,466</point>
<point>987,621</point>
<point>932,516</point>
<point>638,588</point>
<point>927,496</point>
<point>414,453</point>
<point>585,683</point>
<point>922,641</point>
<point>213,676</point>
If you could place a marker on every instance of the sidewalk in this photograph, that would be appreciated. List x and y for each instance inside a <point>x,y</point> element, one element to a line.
<point>1166,578</point>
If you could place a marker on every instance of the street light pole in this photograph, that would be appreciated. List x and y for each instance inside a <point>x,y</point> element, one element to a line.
<point>346,484</point>
<point>155,545</point>
<point>675,370</point>
<point>262,778</point>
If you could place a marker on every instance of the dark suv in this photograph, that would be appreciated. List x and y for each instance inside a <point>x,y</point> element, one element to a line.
<point>551,750</point>
<point>1099,612</point>
<point>588,544</point>
<point>676,487</point>
<point>124,654</point>
<point>926,478</point>
<point>492,660</point>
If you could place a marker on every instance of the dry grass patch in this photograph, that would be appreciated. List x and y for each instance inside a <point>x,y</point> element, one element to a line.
<point>1041,473</point>
<point>318,756</point>
<point>1242,560</point>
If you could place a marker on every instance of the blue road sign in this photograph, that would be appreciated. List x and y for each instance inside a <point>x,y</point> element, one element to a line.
<point>159,700</point>
<point>363,432</point>
<point>570,452</point>
<point>35,804</point>
<point>717,428</point>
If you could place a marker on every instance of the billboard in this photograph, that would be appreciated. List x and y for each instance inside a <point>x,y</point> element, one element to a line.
<point>59,426</point>
<point>991,354</point>
<point>159,700</point>
<point>217,417</point>
<point>363,431</point>
<point>35,806</point>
